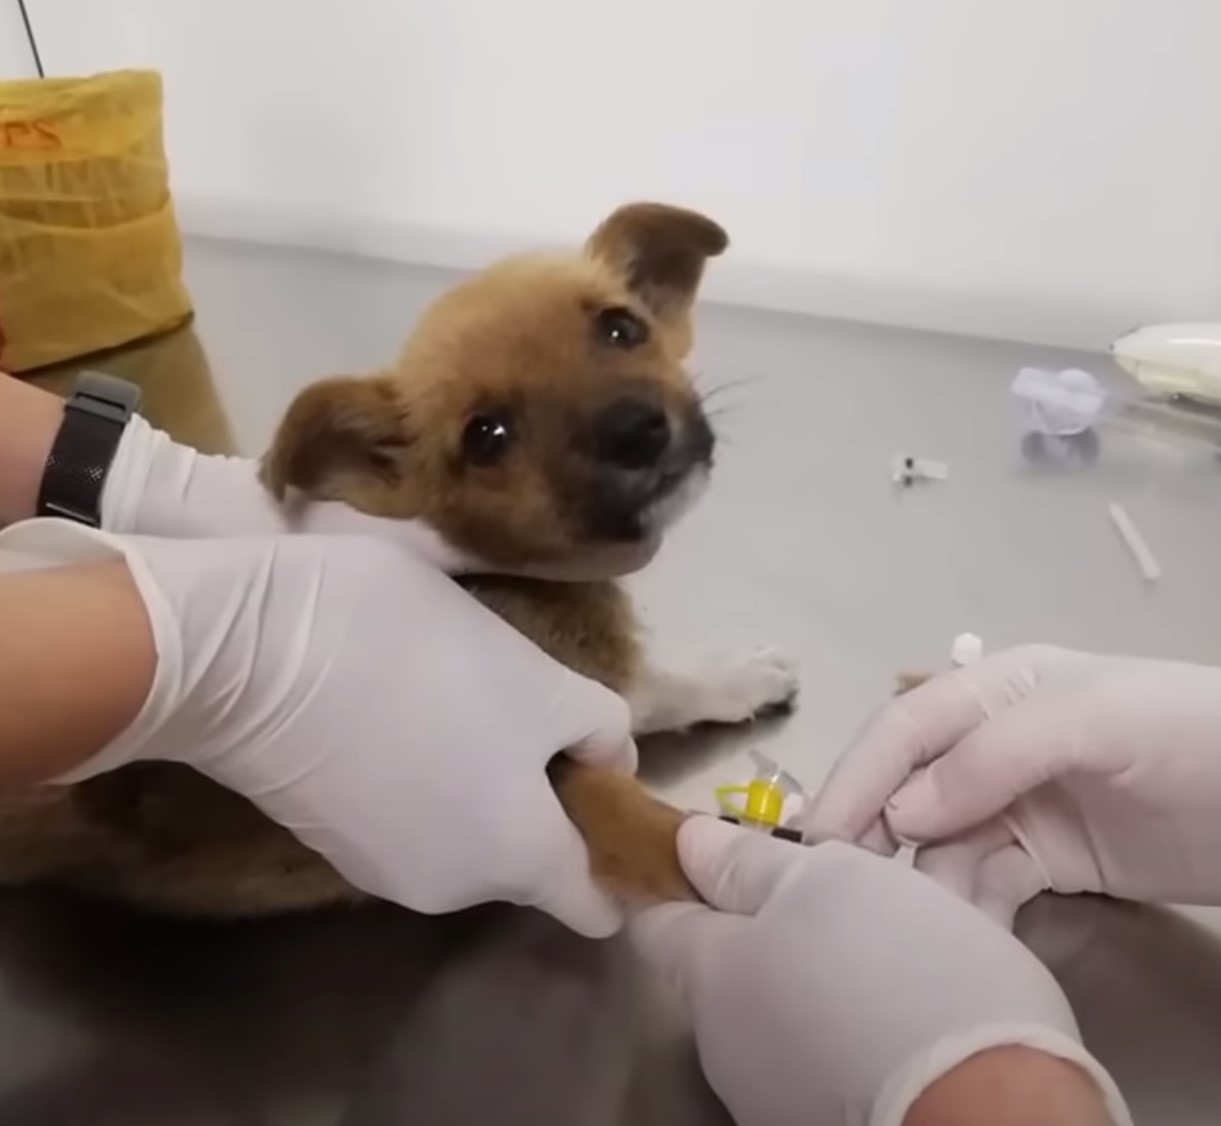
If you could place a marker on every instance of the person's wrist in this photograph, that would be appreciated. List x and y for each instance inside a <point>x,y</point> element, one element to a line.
<point>81,629</point>
<point>144,600</point>
<point>140,451</point>
<point>1013,1085</point>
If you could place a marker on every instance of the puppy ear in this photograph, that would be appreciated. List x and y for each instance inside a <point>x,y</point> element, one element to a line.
<point>661,251</point>
<point>338,431</point>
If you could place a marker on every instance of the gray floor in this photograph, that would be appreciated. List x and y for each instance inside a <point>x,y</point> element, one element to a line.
<point>377,1017</point>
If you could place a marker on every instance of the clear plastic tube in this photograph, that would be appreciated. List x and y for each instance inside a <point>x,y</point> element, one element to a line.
<point>1073,403</point>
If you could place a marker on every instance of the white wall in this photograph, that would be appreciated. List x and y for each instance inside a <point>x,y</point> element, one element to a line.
<point>1041,169</point>
<point>16,57</point>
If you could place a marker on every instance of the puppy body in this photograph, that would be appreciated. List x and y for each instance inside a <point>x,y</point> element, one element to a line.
<point>539,418</point>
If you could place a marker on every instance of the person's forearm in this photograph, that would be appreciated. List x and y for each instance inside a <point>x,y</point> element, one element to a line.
<point>76,662</point>
<point>1013,1086</point>
<point>29,420</point>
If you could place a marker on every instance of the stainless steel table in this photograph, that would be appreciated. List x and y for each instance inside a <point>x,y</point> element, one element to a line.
<point>372,1017</point>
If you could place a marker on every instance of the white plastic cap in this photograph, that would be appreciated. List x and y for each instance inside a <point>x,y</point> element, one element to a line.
<point>966,650</point>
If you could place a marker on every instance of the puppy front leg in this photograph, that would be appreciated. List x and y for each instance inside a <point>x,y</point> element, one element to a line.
<point>730,691</point>
<point>629,833</point>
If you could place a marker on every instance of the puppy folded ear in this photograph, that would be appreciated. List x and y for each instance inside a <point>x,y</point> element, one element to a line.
<point>661,251</point>
<point>340,435</point>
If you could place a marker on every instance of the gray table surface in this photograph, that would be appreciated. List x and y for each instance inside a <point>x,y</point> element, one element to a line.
<point>373,1017</point>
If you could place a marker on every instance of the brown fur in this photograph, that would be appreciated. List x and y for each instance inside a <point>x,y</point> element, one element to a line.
<point>589,627</point>
<point>520,339</point>
<point>910,681</point>
<point>516,336</point>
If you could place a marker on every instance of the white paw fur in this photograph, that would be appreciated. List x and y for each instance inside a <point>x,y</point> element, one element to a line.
<point>736,691</point>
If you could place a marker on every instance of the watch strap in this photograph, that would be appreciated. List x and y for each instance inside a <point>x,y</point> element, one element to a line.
<point>95,417</point>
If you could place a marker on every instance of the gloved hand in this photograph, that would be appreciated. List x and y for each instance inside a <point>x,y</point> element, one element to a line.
<point>158,487</point>
<point>835,986</point>
<point>369,705</point>
<point>1041,768</point>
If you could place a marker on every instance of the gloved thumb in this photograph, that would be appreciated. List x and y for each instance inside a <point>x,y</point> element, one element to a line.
<point>675,939</point>
<point>599,723</point>
<point>998,762</point>
<point>569,893</point>
<point>734,869</point>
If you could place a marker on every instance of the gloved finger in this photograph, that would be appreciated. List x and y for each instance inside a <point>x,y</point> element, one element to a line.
<point>955,863</point>
<point>335,518</point>
<point>905,734</point>
<point>734,869</point>
<point>1008,879</point>
<point>1020,749</point>
<point>986,866</point>
<point>910,732</point>
<point>676,939</point>
<point>562,884</point>
<point>598,723</point>
<point>876,837</point>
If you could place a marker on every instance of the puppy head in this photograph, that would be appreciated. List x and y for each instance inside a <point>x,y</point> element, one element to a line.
<point>539,416</point>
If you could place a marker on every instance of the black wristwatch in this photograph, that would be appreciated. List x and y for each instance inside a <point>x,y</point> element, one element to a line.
<point>95,417</point>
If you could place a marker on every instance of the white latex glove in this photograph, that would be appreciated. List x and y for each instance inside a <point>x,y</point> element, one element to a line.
<point>1041,768</point>
<point>833,986</point>
<point>158,487</point>
<point>369,705</point>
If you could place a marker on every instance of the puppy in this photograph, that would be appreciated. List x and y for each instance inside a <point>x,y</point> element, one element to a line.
<point>540,420</point>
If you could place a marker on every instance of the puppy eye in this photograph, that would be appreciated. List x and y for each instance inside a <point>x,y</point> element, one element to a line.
<point>486,439</point>
<point>621,328</point>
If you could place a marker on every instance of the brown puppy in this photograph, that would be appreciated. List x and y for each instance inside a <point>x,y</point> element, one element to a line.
<point>539,418</point>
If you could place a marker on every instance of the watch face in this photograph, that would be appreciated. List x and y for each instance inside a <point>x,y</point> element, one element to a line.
<point>97,386</point>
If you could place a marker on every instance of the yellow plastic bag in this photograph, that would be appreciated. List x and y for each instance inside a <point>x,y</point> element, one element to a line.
<point>90,255</point>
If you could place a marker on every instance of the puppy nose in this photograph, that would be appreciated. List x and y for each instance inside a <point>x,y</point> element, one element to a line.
<point>632,434</point>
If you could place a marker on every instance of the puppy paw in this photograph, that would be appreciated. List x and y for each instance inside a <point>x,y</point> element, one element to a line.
<point>763,682</point>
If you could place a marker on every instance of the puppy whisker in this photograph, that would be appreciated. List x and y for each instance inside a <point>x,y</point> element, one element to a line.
<point>699,378</point>
<point>718,393</point>
<point>718,414</point>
